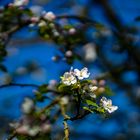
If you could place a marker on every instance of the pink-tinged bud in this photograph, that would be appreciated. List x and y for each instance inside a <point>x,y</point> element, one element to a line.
<point>10,5</point>
<point>102,82</point>
<point>35,19</point>
<point>42,23</point>
<point>72,31</point>
<point>43,117</point>
<point>69,53</point>
<point>52,82</point>
<point>45,128</point>
<point>94,82</point>
<point>23,129</point>
<point>101,90</point>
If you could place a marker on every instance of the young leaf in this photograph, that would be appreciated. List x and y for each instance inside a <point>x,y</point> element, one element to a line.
<point>89,102</point>
<point>86,108</point>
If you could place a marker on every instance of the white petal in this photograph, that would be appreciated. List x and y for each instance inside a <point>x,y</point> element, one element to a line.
<point>76,72</point>
<point>85,73</point>
<point>80,77</point>
<point>92,95</point>
<point>93,88</point>
<point>74,81</point>
<point>112,109</point>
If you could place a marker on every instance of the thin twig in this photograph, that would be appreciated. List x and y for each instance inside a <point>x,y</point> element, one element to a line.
<point>19,85</point>
<point>66,128</point>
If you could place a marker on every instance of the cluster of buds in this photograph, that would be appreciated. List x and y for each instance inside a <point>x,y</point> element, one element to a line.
<point>94,88</point>
<point>48,16</point>
<point>29,124</point>
<point>19,3</point>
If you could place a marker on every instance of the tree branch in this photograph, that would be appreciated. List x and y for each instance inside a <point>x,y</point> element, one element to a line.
<point>19,85</point>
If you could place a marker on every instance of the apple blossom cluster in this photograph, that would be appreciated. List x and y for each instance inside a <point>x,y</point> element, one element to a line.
<point>20,3</point>
<point>92,88</point>
<point>29,124</point>
<point>40,20</point>
<point>72,77</point>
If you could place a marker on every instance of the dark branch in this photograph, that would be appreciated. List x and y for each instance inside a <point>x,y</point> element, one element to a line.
<point>18,85</point>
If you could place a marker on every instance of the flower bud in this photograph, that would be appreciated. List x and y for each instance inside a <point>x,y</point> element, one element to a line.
<point>64,100</point>
<point>102,82</point>
<point>27,106</point>
<point>69,53</point>
<point>72,31</point>
<point>50,16</point>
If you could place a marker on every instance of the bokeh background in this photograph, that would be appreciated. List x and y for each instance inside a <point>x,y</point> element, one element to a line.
<point>30,61</point>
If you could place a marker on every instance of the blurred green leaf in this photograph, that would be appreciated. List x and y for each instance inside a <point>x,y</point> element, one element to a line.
<point>108,91</point>
<point>89,102</point>
<point>86,108</point>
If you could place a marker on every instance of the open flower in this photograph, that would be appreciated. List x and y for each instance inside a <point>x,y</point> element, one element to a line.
<point>21,2</point>
<point>81,74</point>
<point>50,16</point>
<point>68,78</point>
<point>27,106</point>
<point>107,105</point>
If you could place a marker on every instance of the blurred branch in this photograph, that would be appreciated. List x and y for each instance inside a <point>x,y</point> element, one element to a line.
<point>19,85</point>
<point>66,128</point>
<point>121,31</point>
<point>79,18</point>
<point>14,29</point>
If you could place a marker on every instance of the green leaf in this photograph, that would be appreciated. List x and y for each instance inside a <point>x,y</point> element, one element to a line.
<point>86,108</point>
<point>43,89</point>
<point>89,102</point>
<point>100,110</point>
<point>108,91</point>
<point>64,88</point>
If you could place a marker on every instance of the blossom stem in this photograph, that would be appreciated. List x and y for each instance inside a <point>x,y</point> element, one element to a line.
<point>66,128</point>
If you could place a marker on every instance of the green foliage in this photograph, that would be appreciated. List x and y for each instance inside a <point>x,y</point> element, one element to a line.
<point>91,103</point>
<point>88,109</point>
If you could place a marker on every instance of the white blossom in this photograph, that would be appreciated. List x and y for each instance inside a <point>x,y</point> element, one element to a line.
<point>27,105</point>
<point>72,31</point>
<point>23,129</point>
<point>20,2</point>
<point>107,104</point>
<point>92,95</point>
<point>64,100</point>
<point>34,130</point>
<point>93,88</point>
<point>50,16</point>
<point>81,74</point>
<point>42,23</point>
<point>90,53</point>
<point>68,78</point>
